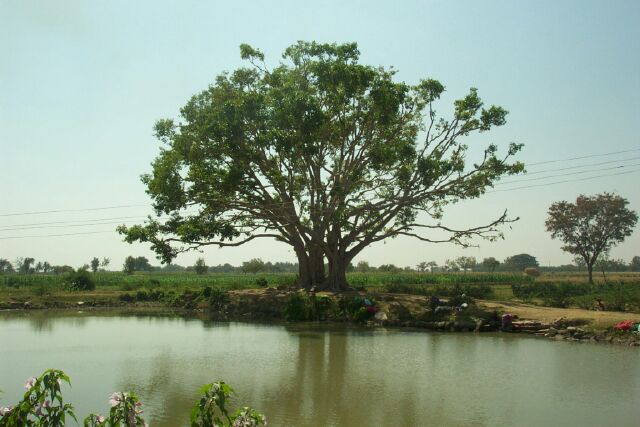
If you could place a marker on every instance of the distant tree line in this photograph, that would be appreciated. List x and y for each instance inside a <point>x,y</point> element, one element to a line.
<point>515,263</point>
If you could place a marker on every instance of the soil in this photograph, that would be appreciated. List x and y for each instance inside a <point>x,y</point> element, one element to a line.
<point>596,319</point>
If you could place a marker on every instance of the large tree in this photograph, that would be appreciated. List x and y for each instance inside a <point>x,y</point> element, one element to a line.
<point>322,153</point>
<point>591,226</point>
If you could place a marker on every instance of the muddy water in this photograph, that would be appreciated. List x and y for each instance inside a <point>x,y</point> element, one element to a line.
<point>318,375</point>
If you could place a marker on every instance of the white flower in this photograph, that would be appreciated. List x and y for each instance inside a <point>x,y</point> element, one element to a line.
<point>5,411</point>
<point>101,419</point>
<point>115,399</point>
<point>30,383</point>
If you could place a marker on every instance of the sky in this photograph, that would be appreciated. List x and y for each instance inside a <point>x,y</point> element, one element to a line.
<point>82,83</point>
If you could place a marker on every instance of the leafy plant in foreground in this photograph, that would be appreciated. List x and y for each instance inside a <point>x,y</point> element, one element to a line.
<point>43,406</point>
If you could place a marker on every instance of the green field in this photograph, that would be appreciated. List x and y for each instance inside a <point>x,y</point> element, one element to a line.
<point>621,291</point>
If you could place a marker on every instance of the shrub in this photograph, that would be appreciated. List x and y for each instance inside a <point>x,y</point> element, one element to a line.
<point>532,272</point>
<point>127,297</point>
<point>127,287</point>
<point>218,299</point>
<point>81,280</point>
<point>40,290</point>
<point>142,296</point>
<point>261,282</point>
<point>297,308</point>
<point>357,308</point>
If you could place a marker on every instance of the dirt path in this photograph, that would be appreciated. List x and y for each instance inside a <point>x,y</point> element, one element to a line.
<point>548,314</point>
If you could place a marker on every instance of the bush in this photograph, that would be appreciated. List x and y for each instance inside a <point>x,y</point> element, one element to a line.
<point>301,307</point>
<point>357,308</point>
<point>81,280</point>
<point>261,282</point>
<point>297,308</point>
<point>218,299</point>
<point>532,272</point>
<point>127,297</point>
<point>142,296</point>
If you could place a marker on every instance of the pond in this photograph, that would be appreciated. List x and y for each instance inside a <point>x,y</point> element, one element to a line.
<point>323,375</point>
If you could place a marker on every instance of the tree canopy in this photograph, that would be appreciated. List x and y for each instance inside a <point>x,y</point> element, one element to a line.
<point>322,153</point>
<point>520,262</point>
<point>591,226</point>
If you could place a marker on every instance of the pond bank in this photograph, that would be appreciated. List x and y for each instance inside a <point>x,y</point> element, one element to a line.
<point>386,310</point>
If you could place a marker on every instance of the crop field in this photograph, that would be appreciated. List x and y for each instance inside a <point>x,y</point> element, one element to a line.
<point>242,281</point>
<point>621,291</point>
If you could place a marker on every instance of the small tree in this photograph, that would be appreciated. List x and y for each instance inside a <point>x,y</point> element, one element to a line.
<point>25,265</point>
<point>634,265</point>
<point>520,262</point>
<point>451,265</point>
<point>46,267</point>
<point>591,226</point>
<point>105,262</point>
<point>466,262</point>
<point>363,267</point>
<point>95,263</point>
<point>5,266</point>
<point>490,263</point>
<point>255,265</point>
<point>200,266</point>
<point>129,265</point>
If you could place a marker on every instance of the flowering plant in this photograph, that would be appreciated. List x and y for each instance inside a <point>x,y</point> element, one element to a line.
<point>42,404</point>
<point>126,411</point>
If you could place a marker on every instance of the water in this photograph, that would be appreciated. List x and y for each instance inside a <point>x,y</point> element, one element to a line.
<point>316,375</point>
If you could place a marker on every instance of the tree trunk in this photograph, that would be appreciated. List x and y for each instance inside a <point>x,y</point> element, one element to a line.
<point>590,270</point>
<point>310,268</point>
<point>337,280</point>
<point>304,275</point>
<point>316,266</point>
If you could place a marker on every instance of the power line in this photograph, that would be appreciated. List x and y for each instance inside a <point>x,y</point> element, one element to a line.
<point>286,204</point>
<point>73,210</point>
<point>67,225</point>
<point>582,166</point>
<point>58,235</point>
<point>562,182</point>
<point>585,157</point>
<point>566,174</point>
<point>73,222</point>
<point>493,191</point>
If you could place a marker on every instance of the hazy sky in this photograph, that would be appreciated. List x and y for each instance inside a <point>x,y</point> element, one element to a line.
<point>82,83</point>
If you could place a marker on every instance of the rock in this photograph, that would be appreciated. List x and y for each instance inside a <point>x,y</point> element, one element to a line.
<point>571,329</point>
<point>559,337</point>
<point>478,325</point>
<point>80,302</point>
<point>381,315</point>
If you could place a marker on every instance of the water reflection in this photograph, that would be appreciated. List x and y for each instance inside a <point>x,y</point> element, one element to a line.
<point>316,375</point>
